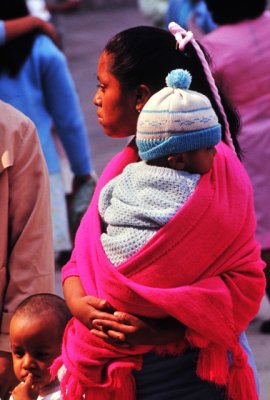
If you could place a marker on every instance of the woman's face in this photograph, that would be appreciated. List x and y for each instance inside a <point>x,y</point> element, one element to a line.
<point>116,107</point>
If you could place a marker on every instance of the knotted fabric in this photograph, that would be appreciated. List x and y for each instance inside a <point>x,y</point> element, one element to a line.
<point>202,268</point>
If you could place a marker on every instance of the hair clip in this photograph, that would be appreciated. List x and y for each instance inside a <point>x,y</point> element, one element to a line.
<point>182,36</point>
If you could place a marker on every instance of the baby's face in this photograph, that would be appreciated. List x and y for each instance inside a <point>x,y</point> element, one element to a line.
<point>34,345</point>
<point>200,161</point>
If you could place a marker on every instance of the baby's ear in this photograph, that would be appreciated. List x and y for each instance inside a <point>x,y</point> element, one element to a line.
<point>176,161</point>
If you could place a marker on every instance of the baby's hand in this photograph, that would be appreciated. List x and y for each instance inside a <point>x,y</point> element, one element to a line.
<point>26,390</point>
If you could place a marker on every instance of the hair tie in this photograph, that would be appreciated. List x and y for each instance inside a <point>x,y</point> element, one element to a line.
<point>182,36</point>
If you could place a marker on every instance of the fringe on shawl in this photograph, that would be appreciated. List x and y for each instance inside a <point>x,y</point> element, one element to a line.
<point>239,378</point>
<point>124,387</point>
<point>213,366</point>
<point>241,382</point>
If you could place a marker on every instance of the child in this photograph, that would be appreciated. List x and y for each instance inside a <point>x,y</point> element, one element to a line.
<point>36,331</point>
<point>176,134</point>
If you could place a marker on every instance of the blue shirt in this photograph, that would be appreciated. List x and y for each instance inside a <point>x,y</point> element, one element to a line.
<point>44,90</point>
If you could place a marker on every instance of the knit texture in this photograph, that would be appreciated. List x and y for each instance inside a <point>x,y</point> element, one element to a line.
<point>176,121</point>
<point>203,268</point>
<point>135,204</point>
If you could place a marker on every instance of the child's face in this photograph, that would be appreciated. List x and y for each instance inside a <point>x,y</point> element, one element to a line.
<point>199,161</point>
<point>34,345</point>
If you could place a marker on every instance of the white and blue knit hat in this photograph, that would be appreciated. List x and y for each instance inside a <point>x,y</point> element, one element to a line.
<point>176,120</point>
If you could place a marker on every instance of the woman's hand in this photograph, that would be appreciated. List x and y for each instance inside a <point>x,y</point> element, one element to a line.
<point>88,308</point>
<point>85,308</point>
<point>127,330</point>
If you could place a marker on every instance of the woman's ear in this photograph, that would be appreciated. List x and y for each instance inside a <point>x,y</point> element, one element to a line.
<point>143,93</point>
<point>176,162</point>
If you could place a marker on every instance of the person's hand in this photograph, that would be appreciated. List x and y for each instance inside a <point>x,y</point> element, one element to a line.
<point>128,330</point>
<point>48,29</point>
<point>88,308</point>
<point>79,181</point>
<point>8,379</point>
<point>26,390</point>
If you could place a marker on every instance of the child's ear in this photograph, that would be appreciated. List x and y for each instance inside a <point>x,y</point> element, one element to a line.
<point>176,161</point>
<point>142,93</point>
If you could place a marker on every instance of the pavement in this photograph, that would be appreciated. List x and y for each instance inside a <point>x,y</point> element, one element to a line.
<point>85,33</point>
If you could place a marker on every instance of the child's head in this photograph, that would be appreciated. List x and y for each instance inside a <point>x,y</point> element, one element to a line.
<point>178,125</point>
<point>36,331</point>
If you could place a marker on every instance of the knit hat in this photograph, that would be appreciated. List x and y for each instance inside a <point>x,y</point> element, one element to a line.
<point>176,120</point>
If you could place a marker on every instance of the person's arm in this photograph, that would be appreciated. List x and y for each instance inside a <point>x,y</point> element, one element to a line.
<point>68,5</point>
<point>118,327</point>
<point>30,249</point>
<point>25,204</point>
<point>61,95</point>
<point>19,26</point>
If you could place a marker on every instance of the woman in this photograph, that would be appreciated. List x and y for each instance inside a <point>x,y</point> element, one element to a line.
<point>34,78</point>
<point>165,323</point>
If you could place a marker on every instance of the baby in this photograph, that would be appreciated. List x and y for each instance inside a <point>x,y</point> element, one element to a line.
<point>176,135</point>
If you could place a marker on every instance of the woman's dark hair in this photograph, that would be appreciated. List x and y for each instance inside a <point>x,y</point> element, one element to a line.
<point>145,55</point>
<point>233,11</point>
<point>14,53</point>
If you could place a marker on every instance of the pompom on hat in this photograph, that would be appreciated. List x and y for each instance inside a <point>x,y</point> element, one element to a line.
<point>176,119</point>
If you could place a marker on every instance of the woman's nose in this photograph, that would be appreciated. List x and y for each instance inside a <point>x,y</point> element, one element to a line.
<point>97,100</point>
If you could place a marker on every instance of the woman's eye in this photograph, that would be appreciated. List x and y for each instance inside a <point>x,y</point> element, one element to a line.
<point>101,87</point>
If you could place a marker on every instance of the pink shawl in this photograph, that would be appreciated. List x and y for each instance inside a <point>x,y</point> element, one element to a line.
<point>202,268</point>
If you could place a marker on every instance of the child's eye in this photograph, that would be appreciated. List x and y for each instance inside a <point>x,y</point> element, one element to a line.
<point>18,353</point>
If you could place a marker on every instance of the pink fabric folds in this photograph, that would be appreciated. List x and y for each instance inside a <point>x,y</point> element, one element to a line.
<point>202,268</point>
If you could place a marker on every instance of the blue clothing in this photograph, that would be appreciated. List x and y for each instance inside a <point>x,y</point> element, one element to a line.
<point>180,11</point>
<point>173,378</point>
<point>45,92</point>
<point>2,32</point>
